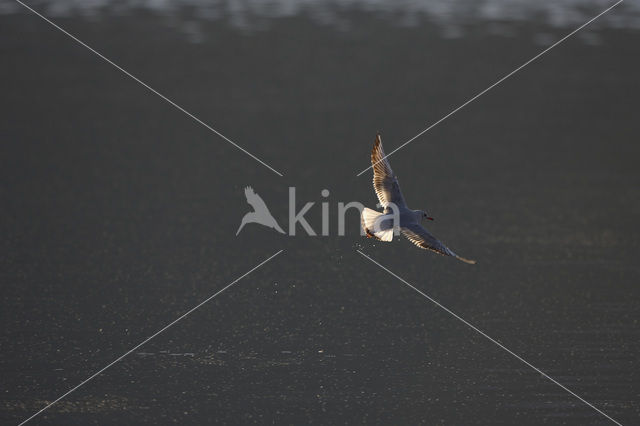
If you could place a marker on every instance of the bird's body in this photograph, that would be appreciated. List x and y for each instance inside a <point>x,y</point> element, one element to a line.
<point>397,216</point>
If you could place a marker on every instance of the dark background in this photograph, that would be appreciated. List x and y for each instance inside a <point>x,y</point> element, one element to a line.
<point>119,214</point>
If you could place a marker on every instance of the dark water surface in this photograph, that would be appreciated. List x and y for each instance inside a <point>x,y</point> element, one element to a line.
<point>119,214</point>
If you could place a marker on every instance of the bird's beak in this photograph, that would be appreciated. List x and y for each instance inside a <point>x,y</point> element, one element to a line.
<point>430,218</point>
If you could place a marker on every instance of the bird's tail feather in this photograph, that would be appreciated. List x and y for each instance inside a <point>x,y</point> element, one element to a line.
<point>376,225</point>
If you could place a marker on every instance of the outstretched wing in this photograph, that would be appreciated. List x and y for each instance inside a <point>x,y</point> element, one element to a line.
<point>385,183</point>
<point>254,200</point>
<point>423,239</point>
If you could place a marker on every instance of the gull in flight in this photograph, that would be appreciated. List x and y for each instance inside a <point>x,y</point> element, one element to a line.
<point>260,213</point>
<point>381,226</point>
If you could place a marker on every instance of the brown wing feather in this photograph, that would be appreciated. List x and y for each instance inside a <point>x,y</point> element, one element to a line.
<point>385,183</point>
<point>423,239</point>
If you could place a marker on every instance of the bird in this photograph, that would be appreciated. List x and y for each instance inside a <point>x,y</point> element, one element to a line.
<point>382,226</point>
<point>260,213</point>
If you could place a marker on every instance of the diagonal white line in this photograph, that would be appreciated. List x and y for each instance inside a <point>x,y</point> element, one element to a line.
<point>494,85</point>
<point>150,337</point>
<point>476,329</point>
<point>145,85</point>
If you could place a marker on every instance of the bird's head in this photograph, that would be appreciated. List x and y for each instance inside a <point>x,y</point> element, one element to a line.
<point>425,215</point>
